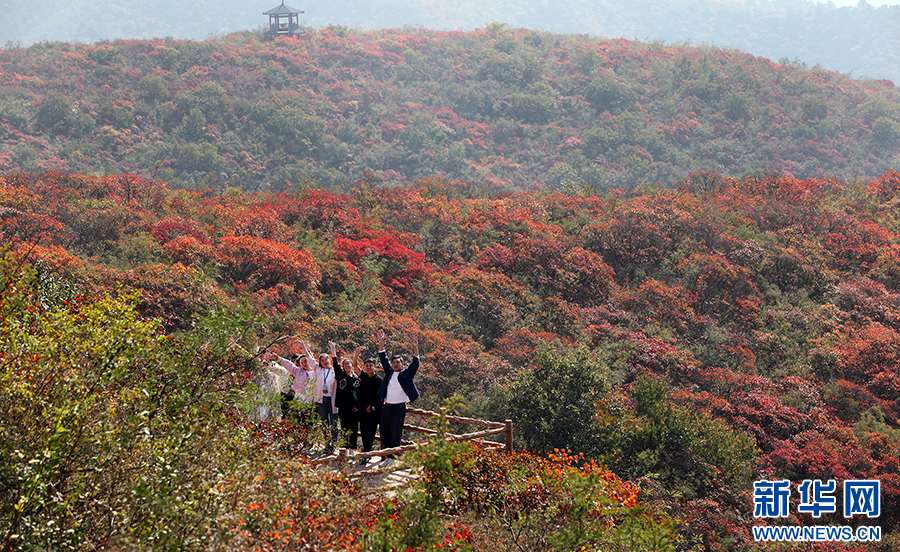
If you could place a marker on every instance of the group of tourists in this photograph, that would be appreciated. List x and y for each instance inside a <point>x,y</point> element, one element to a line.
<point>340,390</point>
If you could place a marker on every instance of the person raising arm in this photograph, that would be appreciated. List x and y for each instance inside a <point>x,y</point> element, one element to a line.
<point>302,381</point>
<point>397,389</point>
<point>368,403</point>
<point>346,391</point>
<point>324,392</point>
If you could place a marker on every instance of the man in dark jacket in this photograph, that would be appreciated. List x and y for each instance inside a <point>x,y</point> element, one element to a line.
<point>396,390</point>
<point>369,404</point>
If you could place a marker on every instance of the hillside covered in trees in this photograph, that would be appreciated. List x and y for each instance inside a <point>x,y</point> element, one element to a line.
<point>692,339</point>
<point>861,39</point>
<point>494,107</point>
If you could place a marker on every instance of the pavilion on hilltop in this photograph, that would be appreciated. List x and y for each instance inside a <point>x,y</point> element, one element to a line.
<point>283,21</point>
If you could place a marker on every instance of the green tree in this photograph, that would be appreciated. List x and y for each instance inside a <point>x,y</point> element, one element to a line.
<point>554,404</point>
<point>886,131</point>
<point>192,125</point>
<point>153,89</point>
<point>689,451</point>
<point>59,115</point>
<point>203,158</point>
<point>111,432</point>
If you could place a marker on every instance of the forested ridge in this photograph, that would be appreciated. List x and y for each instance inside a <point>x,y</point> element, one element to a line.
<point>692,339</point>
<point>860,40</point>
<point>496,107</point>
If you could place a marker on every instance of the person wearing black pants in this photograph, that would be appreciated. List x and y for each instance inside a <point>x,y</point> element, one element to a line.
<point>346,374</point>
<point>369,404</point>
<point>396,390</point>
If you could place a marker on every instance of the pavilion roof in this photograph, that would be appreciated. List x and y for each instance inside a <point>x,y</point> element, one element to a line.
<point>282,10</point>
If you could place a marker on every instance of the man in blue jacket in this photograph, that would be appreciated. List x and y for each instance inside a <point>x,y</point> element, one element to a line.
<point>397,389</point>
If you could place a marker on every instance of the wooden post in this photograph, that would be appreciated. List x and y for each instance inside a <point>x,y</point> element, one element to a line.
<point>508,432</point>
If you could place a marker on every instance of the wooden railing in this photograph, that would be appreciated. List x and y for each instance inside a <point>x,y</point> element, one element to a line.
<point>494,428</point>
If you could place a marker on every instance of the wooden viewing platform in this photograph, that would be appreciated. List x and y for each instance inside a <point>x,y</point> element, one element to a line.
<point>504,428</point>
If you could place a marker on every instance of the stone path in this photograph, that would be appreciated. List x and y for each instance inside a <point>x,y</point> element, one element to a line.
<point>376,472</point>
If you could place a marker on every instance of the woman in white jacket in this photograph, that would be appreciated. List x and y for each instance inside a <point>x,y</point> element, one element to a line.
<point>324,391</point>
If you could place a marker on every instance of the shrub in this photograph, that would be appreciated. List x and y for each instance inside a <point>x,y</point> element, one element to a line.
<point>553,403</point>
<point>111,433</point>
<point>559,502</point>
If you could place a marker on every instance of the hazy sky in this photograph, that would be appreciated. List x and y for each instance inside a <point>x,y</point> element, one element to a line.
<point>870,2</point>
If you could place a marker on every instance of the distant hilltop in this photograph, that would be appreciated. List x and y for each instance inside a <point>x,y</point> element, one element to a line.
<point>861,40</point>
<point>505,108</point>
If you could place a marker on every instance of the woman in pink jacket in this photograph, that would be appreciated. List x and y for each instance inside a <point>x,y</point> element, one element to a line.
<point>324,391</point>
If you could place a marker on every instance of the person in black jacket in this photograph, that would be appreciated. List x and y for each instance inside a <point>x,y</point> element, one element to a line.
<point>369,404</point>
<point>346,375</point>
<point>396,390</point>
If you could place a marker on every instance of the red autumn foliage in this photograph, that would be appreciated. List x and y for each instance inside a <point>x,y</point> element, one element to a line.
<point>886,187</point>
<point>770,304</point>
<point>552,268</point>
<point>725,290</point>
<point>172,228</point>
<point>259,263</point>
<point>174,293</point>
<point>389,255</point>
